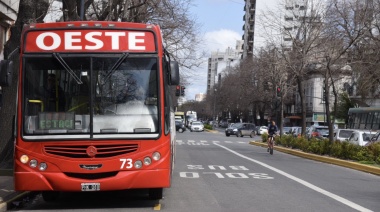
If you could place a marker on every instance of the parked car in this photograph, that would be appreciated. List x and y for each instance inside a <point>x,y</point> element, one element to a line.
<point>361,137</point>
<point>286,130</point>
<point>374,139</point>
<point>196,126</point>
<point>179,126</point>
<point>342,134</point>
<point>261,130</point>
<point>241,129</point>
<point>223,123</point>
<point>317,132</point>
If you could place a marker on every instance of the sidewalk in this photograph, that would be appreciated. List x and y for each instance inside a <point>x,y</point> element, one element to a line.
<point>7,192</point>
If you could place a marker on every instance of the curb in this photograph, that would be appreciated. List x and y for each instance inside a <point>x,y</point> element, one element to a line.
<point>4,206</point>
<point>324,159</point>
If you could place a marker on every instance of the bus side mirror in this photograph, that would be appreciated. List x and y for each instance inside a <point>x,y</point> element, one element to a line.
<point>6,72</point>
<point>174,73</point>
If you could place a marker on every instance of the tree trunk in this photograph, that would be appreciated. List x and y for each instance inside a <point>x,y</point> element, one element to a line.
<point>29,11</point>
<point>303,105</point>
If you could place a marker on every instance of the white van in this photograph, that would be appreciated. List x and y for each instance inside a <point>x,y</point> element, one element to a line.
<point>342,134</point>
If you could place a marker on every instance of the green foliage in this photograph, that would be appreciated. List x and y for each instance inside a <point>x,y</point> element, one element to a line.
<point>264,137</point>
<point>343,150</point>
<point>208,126</point>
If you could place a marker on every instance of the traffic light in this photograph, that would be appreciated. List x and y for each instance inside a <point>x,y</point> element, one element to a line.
<point>178,90</point>
<point>182,90</point>
<point>278,91</point>
<point>324,93</point>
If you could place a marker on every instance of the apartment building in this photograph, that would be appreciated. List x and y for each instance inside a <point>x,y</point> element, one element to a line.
<point>249,28</point>
<point>219,62</point>
<point>8,15</point>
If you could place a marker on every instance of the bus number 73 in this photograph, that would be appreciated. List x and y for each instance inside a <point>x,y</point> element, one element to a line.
<point>126,163</point>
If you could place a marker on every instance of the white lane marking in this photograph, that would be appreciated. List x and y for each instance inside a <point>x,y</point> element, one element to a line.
<point>307,184</point>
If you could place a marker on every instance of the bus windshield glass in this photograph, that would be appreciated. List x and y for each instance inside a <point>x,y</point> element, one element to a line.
<point>107,96</point>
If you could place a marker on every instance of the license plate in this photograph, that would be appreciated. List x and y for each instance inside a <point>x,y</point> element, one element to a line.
<point>90,186</point>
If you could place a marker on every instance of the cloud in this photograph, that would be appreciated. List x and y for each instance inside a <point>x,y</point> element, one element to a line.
<point>213,41</point>
<point>220,40</point>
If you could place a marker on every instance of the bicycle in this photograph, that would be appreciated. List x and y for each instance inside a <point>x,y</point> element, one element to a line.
<point>270,144</point>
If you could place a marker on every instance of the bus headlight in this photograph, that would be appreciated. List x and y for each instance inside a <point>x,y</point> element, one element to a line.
<point>33,163</point>
<point>138,164</point>
<point>24,159</point>
<point>156,156</point>
<point>43,166</point>
<point>147,161</point>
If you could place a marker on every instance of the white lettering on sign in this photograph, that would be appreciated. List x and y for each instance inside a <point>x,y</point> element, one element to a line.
<point>115,37</point>
<point>70,40</point>
<point>41,44</point>
<point>98,44</point>
<point>73,40</point>
<point>132,39</point>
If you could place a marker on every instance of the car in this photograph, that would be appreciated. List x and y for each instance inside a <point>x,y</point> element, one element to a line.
<point>342,134</point>
<point>179,126</point>
<point>261,130</point>
<point>361,137</point>
<point>223,123</point>
<point>374,139</point>
<point>287,130</point>
<point>318,132</point>
<point>247,129</point>
<point>196,126</point>
<point>241,129</point>
<point>296,131</point>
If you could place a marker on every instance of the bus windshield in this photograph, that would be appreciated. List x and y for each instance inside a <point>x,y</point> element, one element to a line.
<point>86,96</point>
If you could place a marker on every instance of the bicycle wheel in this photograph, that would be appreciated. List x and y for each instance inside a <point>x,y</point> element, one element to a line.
<point>271,146</point>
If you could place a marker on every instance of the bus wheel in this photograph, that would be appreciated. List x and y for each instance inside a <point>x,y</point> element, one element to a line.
<point>155,193</point>
<point>50,196</point>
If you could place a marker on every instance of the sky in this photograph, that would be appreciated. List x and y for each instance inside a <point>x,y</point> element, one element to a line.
<point>222,24</point>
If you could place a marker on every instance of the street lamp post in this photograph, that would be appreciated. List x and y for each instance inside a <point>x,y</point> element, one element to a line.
<point>214,115</point>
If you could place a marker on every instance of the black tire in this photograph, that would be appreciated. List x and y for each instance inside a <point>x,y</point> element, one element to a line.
<point>238,134</point>
<point>228,135</point>
<point>155,193</point>
<point>180,130</point>
<point>271,151</point>
<point>252,134</point>
<point>50,196</point>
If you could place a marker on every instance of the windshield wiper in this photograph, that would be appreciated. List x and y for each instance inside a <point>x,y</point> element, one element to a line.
<point>67,67</point>
<point>115,66</point>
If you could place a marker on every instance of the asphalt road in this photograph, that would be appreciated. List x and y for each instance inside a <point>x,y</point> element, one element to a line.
<point>218,173</point>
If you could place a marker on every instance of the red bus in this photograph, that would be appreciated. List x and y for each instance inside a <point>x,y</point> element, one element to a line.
<point>94,111</point>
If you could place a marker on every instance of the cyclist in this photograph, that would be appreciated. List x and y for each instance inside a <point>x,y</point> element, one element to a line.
<point>272,129</point>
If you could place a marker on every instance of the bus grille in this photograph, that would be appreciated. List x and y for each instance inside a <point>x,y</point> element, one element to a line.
<point>102,151</point>
<point>92,176</point>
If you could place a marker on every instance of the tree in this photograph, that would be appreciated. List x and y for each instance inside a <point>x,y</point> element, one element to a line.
<point>345,27</point>
<point>297,41</point>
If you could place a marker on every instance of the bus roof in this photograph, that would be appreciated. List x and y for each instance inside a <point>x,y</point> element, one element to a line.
<point>363,109</point>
